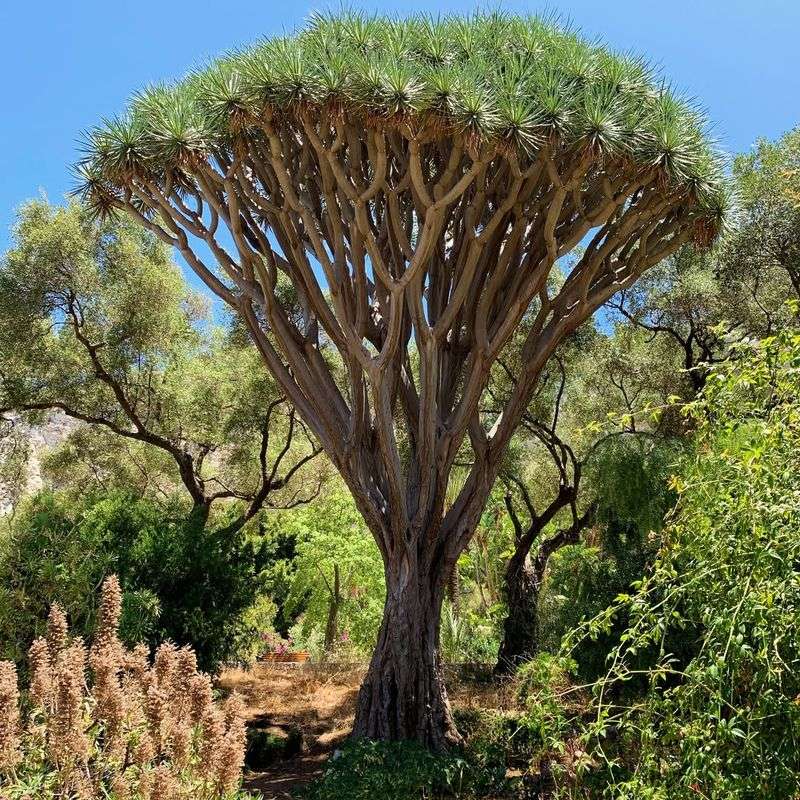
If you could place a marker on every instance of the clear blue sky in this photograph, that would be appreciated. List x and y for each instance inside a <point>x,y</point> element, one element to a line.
<point>68,63</point>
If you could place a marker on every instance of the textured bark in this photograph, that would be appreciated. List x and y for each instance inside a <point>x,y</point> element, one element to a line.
<point>403,695</point>
<point>523,582</point>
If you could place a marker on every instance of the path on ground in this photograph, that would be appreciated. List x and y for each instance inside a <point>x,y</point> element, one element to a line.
<point>318,700</point>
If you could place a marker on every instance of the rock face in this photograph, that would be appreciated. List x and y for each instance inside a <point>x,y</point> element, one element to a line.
<point>38,439</point>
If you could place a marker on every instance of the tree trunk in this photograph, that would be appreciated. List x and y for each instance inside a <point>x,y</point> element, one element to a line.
<point>523,582</point>
<point>332,626</point>
<point>403,695</point>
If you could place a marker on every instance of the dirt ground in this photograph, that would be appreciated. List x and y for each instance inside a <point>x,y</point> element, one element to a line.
<point>320,700</point>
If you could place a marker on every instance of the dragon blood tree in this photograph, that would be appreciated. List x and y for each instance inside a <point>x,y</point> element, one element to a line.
<point>384,201</point>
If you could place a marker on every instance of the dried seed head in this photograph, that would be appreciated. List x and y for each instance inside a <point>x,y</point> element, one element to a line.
<point>231,756</point>
<point>120,787</point>
<point>144,752</point>
<point>78,785</point>
<point>165,664</point>
<point>138,676</point>
<point>146,785</point>
<point>180,742</point>
<point>66,722</point>
<point>186,665</point>
<point>213,724</point>
<point>57,631</point>
<point>137,661</point>
<point>109,614</point>
<point>185,672</point>
<point>9,716</point>
<point>156,710</point>
<point>110,705</point>
<point>230,760</point>
<point>41,673</point>
<point>202,697</point>
<point>165,785</point>
<point>234,713</point>
<point>107,659</point>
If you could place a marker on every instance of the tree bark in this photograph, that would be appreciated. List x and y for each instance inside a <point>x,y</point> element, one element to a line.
<point>332,626</point>
<point>523,582</point>
<point>403,695</point>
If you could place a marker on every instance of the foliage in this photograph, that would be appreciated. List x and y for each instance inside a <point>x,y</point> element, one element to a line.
<point>363,770</point>
<point>724,722</point>
<point>278,541</point>
<point>331,534</point>
<point>252,625</point>
<point>135,729</point>
<point>493,75</point>
<point>469,635</point>
<point>496,742</point>
<point>629,480</point>
<point>98,323</point>
<point>765,245</point>
<point>190,583</point>
<point>689,310</point>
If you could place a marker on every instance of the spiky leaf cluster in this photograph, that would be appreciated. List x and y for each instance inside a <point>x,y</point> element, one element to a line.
<point>520,82</point>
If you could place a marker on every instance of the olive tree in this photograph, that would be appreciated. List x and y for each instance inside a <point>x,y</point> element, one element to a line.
<point>98,324</point>
<point>412,182</point>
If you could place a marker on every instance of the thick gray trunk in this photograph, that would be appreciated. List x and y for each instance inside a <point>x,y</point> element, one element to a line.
<point>403,695</point>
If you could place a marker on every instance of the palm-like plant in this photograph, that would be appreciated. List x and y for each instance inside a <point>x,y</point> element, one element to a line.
<point>416,181</point>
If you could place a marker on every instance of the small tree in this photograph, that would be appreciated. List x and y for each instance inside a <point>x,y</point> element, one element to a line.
<point>600,396</point>
<point>703,302</point>
<point>415,182</point>
<point>97,323</point>
<point>768,238</point>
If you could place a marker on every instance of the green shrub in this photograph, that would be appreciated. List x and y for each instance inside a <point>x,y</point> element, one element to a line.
<point>331,538</point>
<point>630,481</point>
<point>496,742</point>
<point>470,636</point>
<point>365,770</point>
<point>723,723</point>
<point>182,581</point>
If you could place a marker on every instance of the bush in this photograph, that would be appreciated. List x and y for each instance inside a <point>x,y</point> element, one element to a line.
<point>331,540</point>
<point>135,729</point>
<point>630,481</point>
<point>723,722</point>
<point>496,742</point>
<point>364,770</point>
<point>469,637</point>
<point>182,581</point>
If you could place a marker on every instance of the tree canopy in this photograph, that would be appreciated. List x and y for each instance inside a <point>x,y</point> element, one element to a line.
<point>98,323</point>
<point>517,81</point>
